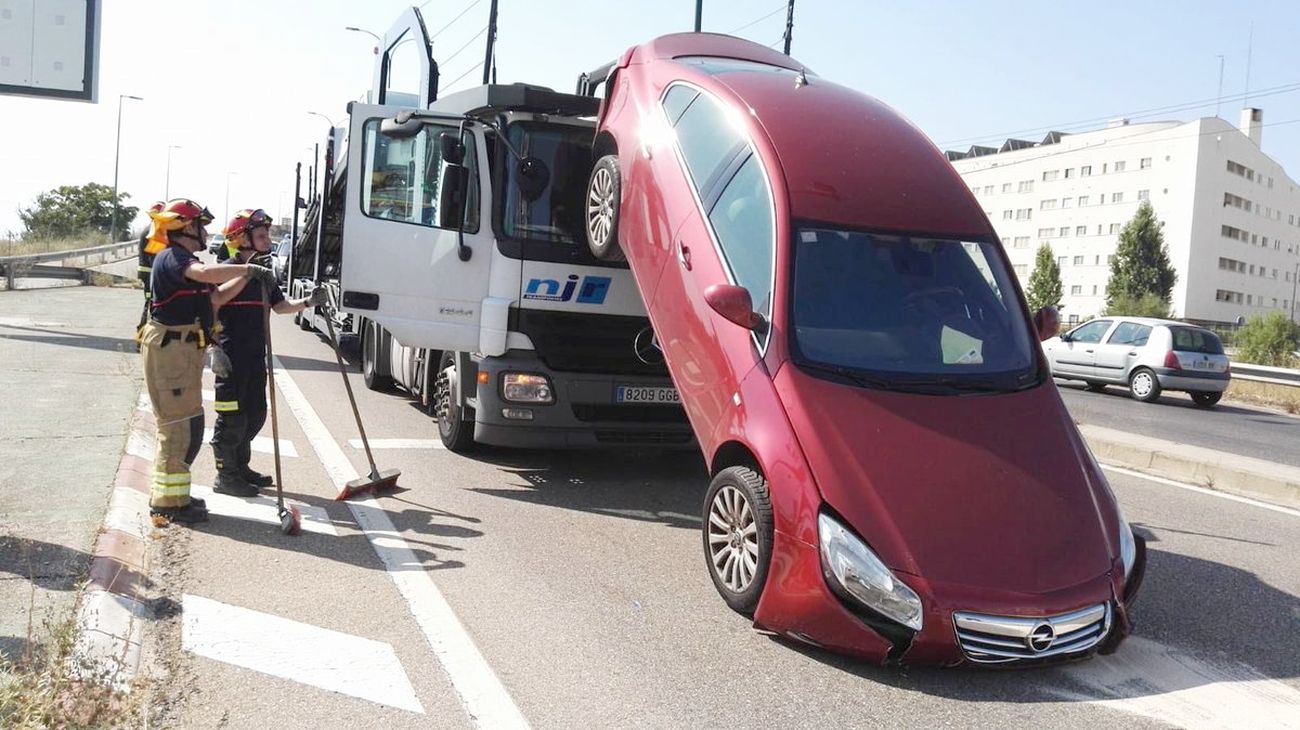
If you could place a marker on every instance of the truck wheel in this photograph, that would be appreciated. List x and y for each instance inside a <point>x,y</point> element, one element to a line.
<point>738,536</point>
<point>603,195</point>
<point>370,360</point>
<point>455,424</point>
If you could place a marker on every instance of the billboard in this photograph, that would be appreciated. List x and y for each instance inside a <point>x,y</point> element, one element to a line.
<point>50,48</point>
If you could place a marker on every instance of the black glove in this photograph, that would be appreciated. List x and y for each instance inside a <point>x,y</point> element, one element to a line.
<point>221,365</point>
<point>319,296</point>
<point>262,274</point>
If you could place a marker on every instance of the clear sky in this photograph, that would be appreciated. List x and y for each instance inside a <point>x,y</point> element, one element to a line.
<point>231,82</point>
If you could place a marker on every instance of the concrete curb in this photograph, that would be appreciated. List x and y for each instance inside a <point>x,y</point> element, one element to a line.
<point>1241,475</point>
<point>111,611</point>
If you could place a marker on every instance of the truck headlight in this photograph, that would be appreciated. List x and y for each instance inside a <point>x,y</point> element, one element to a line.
<point>527,388</point>
<point>850,563</point>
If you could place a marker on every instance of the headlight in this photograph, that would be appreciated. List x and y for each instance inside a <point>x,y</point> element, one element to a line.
<point>861,574</point>
<point>1127,545</point>
<point>527,388</point>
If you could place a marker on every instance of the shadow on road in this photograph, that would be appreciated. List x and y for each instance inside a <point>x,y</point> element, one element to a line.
<point>65,338</point>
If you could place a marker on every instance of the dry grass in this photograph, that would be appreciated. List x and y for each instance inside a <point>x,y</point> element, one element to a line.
<point>24,247</point>
<point>1286,397</point>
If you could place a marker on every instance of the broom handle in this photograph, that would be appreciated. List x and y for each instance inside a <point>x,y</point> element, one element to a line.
<point>338,356</point>
<point>270,382</point>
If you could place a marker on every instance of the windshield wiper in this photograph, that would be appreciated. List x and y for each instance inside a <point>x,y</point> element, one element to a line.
<point>857,377</point>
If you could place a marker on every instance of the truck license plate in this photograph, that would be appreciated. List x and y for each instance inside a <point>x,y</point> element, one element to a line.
<point>645,394</point>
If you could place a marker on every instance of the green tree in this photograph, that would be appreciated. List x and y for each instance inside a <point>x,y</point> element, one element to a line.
<point>1141,265</point>
<point>1045,288</point>
<point>70,210</point>
<point>1269,339</point>
<point>1150,305</point>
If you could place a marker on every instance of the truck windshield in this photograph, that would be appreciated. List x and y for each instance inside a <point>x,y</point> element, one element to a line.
<point>908,313</point>
<point>555,214</point>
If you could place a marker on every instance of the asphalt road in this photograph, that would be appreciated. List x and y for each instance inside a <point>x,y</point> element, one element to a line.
<point>569,589</point>
<point>1233,427</point>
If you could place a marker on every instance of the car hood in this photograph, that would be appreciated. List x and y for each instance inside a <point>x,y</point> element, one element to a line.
<point>990,490</point>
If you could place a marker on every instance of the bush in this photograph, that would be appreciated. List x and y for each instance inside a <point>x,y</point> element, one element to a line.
<point>1269,339</point>
<point>1151,305</point>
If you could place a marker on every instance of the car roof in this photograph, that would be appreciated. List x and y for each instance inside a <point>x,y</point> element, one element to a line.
<point>880,172</point>
<point>1151,321</point>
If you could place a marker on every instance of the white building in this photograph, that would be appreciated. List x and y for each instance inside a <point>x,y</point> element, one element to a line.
<point>1231,214</point>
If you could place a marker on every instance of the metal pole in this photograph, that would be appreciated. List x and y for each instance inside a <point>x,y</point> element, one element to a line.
<point>167,187</point>
<point>117,157</point>
<point>491,42</point>
<point>699,14</point>
<point>1295,278</point>
<point>789,26</point>
<point>1218,103</point>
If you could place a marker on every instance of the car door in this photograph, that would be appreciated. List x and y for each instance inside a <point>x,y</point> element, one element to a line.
<point>1074,356</point>
<point>399,268</point>
<point>1116,355</point>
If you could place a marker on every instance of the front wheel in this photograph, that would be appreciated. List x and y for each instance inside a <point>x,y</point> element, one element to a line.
<point>455,424</point>
<point>1206,399</point>
<point>1143,385</point>
<point>370,361</point>
<point>604,191</point>
<point>738,536</point>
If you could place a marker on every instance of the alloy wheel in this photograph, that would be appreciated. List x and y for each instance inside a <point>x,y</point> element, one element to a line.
<point>733,539</point>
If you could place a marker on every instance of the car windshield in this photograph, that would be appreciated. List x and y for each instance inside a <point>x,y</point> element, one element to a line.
<point>218,237</point>
<point>908,313</point>
<point>553,209</point>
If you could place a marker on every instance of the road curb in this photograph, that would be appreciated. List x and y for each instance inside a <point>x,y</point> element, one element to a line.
<point>1241,475</point>
<point>112,608</point>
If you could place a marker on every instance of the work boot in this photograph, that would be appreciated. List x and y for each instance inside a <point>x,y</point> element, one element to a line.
<point>234,486</point>
<point>257,479</point>
<point>188,515</point>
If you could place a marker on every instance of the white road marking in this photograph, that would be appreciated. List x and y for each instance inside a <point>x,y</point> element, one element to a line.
<point>209,395</point>
<point>262,444</point>
<point>398,444</point>
<point>1203,490</point>
<point>1153,680</point>
<point>485,699</point>
<point>331,660</point>
<point>262,508</point>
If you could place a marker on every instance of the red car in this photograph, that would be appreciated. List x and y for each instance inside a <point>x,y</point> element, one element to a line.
<point>894,473</point>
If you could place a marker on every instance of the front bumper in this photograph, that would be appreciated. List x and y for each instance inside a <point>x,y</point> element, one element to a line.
<point>584,414</point>
<point>1191,380</point>
<point>799,604</point>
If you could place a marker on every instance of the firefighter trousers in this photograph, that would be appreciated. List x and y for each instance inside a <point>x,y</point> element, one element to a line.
<point>173,376</point>
<point>241,413</point>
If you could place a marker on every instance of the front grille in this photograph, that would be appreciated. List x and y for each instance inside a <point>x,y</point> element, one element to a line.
<point>594,412</point>
<point>1003,639</point>
<point>585,343</point>
<point>644,437</point>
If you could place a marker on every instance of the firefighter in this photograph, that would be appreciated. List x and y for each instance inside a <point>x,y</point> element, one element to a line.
<point>173,341</point>
<point>149,248</point>
<point>241,395</point>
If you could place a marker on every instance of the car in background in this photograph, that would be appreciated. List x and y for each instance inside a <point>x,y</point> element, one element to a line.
<point>1148,356</point>
<point>280,258</point>
<point>893,472</point>
<point>215,243</point>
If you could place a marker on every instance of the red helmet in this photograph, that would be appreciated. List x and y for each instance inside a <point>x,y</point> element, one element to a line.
<point>187,210</point>
<point>173,216</point>
<point>245,221</point>
<point>157,207</point>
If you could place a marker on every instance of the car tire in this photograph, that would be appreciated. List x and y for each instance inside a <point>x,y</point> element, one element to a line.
<point>455,424</point>
<point>304,322</point>
<point>604,194</point>
<point>737,535</point>
<point>1144,386</point>
<point>1206,399</point>
<point>370,361</point>
<point>1093,386</point>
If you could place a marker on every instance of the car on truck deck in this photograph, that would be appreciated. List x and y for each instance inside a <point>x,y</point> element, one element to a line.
<point>894,474</point>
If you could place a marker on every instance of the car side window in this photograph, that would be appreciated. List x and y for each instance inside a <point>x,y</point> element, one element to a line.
<point>742,222</point>
<point>1091,332</point>
<point>707,138</point>
<point>1130,333</point>
<point>402,176</point>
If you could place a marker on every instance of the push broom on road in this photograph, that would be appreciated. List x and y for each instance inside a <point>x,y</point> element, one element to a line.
<point>290,517</point>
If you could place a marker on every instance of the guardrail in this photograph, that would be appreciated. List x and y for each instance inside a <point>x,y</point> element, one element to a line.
<point>1265,374</point>
<point>31,265</point>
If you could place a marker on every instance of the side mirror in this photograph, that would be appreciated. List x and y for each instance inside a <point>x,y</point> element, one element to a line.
<point>1065,337</point>
<point>452,148</point>
<point>734,304</point>
<point>533,176</point>
<point>452,185</point>
<point>403,127</point>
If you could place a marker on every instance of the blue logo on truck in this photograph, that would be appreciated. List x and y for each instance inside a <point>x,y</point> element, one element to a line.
<point>589,290</point>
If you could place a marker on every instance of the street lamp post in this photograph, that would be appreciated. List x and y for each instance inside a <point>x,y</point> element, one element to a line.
<point>227,218</point>
<point>117,156</point>
<point>167,186</point>
<point>378,40</point>
<point>322,116</point>
<point>1295,279</point>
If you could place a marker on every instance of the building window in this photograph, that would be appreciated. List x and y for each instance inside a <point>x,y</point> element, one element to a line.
<point>1006,187</point>
<point>988,189</point>
<point>1026,186</point>
<point>1094,290</point>
<point>1250,299</point>
<point>1067,202</point>
<point>1144,163</point>
<point>1083,201</point>
<point>1114,228</point>
<point>1144,195</point>
<point>1096,260</point>
<point>1047,204</point>
<point>1223,295</point>
<point>1085,171</point>
<point>1081,230</point>
<point>1252,269</point>
<point>1119,166</point>
<point>1045,232</point>
<point>1078,261</point>
<point>1062,260</point>
<point>1024,214</point>
<point>1069,173</point>
<point>1051,175</point>
<point>1241,170</point>
<point>1021,270</point>
<point>1076,290</point>
<point>1006,242</point>
<point>1117,197</point>
<point>1234,233</point>
<point>1007,214</point>
<point>1065,232</point>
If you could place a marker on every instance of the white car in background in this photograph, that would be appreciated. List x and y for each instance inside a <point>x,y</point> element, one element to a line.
<point>280,258</point>
<point>1148,356</point>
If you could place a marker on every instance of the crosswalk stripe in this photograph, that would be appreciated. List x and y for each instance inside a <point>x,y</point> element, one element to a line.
<point>262,508</point>
<point>262,444</point>
<point>311,655</point>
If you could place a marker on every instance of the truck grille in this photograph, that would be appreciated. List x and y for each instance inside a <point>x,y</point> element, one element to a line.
<point>589,412</point>
<point>1005,639</point>
<point>644,437</point>
<point>585,343</point>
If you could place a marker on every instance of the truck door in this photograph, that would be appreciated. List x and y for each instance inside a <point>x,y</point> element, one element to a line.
<point>399,268</point>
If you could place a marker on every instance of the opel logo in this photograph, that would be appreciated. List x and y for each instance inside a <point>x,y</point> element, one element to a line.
<point>1041,638</point>
<point>646,347</point>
